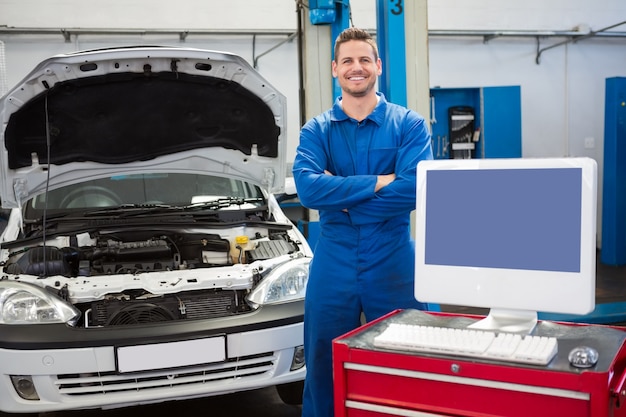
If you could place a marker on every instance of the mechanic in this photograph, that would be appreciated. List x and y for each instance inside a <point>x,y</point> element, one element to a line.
<point>356,164</point>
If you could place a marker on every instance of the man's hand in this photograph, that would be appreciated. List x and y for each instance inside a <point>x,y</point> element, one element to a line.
<point>383,181</point>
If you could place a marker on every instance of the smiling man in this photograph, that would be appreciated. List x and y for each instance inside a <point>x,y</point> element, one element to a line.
<point>356,164</point>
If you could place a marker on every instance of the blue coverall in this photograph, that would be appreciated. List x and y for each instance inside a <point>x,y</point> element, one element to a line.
<point>364,258</point>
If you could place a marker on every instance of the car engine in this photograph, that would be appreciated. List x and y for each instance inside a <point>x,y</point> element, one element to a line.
<point>125,254</point>
<point>138,253</point>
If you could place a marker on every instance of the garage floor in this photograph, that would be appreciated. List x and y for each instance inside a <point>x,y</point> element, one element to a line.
<point>611,288</point>
<point>610,283</point>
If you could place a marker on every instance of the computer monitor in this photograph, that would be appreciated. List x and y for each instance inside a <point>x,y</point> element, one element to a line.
<point>516,236</point>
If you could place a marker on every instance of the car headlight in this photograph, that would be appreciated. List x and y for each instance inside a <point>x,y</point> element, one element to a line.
<point>285,283</point>
<point>22,303</point>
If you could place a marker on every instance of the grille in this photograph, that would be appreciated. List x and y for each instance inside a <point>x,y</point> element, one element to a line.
<point>99,384</point>
<point>182,306</point>
<point>144,313</point>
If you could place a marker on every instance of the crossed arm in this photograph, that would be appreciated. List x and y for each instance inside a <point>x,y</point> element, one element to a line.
<point>367,198</point>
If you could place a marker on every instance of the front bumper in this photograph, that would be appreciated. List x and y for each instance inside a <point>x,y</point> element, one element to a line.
<point>80,368</point>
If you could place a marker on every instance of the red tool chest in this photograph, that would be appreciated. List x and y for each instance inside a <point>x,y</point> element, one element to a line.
<point>369,381</point>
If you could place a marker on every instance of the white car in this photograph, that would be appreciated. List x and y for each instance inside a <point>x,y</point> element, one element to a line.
<point>145,257</point>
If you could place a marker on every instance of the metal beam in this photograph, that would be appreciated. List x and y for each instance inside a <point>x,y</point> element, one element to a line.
<point>181,33</point>
<point>184,33</point>
<point>390,37</point>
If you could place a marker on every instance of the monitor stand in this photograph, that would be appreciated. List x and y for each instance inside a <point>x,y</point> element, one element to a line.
<point>508,321</point>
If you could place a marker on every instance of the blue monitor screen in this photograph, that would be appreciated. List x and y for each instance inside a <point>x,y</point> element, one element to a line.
<point>504,218</point>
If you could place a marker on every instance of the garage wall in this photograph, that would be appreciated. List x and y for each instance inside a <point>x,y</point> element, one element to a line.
<point>562,96</point>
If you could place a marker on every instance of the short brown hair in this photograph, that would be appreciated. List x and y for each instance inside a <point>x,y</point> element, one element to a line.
<point>355,34</point>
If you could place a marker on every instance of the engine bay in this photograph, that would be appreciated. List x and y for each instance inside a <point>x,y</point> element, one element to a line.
<point>108,276</point>
<point>139,252</point>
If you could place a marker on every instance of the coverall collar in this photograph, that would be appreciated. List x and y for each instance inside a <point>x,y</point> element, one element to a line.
<point>377,115</point>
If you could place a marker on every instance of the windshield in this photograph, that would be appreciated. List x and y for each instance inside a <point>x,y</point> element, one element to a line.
<point>142,189</point>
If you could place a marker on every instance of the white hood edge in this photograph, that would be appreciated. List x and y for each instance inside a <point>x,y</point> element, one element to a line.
<point>260,163</point>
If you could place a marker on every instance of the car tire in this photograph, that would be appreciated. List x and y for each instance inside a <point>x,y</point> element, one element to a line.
<point>291,393</point>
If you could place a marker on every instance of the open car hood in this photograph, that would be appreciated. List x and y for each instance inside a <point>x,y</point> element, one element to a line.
<point>118,111</point>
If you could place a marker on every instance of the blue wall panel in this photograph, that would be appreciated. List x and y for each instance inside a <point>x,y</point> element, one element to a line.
<point>613,250</point>
<point>502,108</point>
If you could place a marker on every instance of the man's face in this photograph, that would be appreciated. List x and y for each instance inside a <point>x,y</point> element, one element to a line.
<point>356,69</point>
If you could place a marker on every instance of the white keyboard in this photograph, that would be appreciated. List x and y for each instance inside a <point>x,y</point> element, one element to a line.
<point>485,344</point>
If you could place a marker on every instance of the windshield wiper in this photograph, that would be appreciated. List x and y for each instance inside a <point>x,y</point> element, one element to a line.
<point>222,203</point>
<point>132,209</point>
<point>128,210</point>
